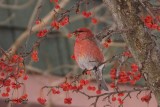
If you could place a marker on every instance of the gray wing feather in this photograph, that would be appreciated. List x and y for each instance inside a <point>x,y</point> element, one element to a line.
<point>100,80</point>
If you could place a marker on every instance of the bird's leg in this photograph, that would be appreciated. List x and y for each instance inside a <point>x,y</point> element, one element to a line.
<point>95,68</point>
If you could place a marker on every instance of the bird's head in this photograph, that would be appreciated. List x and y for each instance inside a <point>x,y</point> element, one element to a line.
<point>83,33</point>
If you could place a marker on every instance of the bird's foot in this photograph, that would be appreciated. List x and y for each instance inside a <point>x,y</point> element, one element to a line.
<point>84,71</point>
<point>95,68</point>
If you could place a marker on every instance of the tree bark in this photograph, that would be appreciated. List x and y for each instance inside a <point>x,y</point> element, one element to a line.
<point>141,43</point>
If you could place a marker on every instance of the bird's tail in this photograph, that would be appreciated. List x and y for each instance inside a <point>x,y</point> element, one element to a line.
<point>100,80</point>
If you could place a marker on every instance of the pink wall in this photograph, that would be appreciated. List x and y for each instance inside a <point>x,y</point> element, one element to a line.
<point>34,84</point>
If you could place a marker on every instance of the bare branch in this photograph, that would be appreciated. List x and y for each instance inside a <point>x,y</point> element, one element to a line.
<point>34,14</point>
<point>8,19</point>
<point>35,28</point>
<point>17,7</point>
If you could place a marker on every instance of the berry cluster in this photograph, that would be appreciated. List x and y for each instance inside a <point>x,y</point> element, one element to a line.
<point>41,100</point>
<point>91,88</point>
<point>42,33</point>
<point>107,42</point>
<point>71,86</point>
<point>127,54</point>
<point>68,100</point>
<point>123,77</point>
<point>118,98</point>
<point>11,71</point>
<point>56,4</point>
<point>34,56</point>
<point>57,24</point>
<point>146,98</point>
<point>86,14</point>
<point>126,76</point>
<point>149,22</point>
<point>54,91</point>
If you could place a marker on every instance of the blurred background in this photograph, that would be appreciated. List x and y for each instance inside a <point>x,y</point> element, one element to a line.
<point>16,16</point>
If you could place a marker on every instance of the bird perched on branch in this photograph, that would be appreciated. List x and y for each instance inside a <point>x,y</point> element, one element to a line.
<point>88,55</point>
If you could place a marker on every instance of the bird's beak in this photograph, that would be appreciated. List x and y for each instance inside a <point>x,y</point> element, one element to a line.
<point>75,32</point>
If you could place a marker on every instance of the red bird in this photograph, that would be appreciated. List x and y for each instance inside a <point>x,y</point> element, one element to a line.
<point>88,55</point>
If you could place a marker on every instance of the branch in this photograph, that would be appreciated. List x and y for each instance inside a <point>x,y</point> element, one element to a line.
<point>8,19</point>
<point>16,7</point>
<point>35,13</point>
<point>141,44</point>
<point>109,94</point>
<point>35,28</point>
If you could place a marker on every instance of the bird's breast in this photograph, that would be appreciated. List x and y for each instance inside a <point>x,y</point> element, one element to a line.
<point>87,54</point>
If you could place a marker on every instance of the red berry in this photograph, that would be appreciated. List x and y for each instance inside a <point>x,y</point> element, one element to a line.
<point>34,56</point>
<point>105,45</point>
<point>73,57</point>
<point>86,14</point>
<point>120,94</point>
<point>134,67</point>
<point>93,88</point>
<point>41,100</point>
<point>38,22</point>
<point>146,98</point>
<point>55,25</point>
<point>113,98</point>
<point>98,91</point>
<point>57,6</point>
<point>64,21</point>
<point>8,89</point>
<point>25,77</point>
<point>89,88</point>
<point>94,20</point>
<point>112,85</point>
<point>109,40</point>
<point>68,100</point>
<point>24,96</point>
